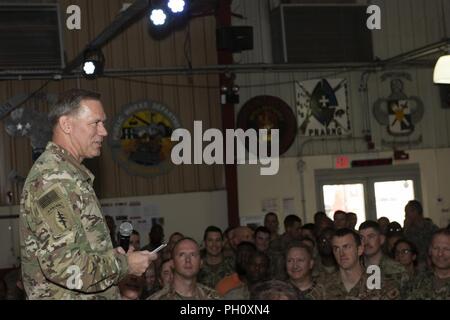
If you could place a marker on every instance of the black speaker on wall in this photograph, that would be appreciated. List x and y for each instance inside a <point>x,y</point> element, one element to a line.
<point>445,95</point>
<point>235,39</point>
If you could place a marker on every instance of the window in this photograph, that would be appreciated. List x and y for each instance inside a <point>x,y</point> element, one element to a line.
<point>370,192</point>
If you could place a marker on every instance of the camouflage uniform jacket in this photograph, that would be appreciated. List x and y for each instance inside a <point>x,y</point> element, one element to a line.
<point>201,293</point>
<point>394,272</point>
<point>316,292</point>
<point>426,286</point>
<point>334,289</point>
<point>421,237</point>
<point>320,271</point>
<point>66,248</point>
<point>210,275</point>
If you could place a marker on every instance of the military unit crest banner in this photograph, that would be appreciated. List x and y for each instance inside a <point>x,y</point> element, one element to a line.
<point>322,108</point>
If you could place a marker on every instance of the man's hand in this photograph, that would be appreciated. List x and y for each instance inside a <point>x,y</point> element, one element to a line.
<point>138,261</point>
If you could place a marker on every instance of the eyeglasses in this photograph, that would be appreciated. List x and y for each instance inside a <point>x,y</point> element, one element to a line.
<point>403,251</point>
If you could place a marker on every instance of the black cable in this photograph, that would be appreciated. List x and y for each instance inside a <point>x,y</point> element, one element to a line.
<point>34,93</point>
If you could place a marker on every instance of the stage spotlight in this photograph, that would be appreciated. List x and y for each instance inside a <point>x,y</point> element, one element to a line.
<point>93,64</point>
<point>176,6</point>
<point>158,17</point>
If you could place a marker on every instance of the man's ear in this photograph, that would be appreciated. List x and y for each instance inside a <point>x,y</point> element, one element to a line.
<point>65,123</point>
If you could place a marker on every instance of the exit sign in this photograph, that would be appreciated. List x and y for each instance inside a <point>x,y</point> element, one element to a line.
<point>342,162</point>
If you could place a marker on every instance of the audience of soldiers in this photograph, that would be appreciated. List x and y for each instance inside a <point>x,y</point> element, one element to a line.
<point>325,260</point>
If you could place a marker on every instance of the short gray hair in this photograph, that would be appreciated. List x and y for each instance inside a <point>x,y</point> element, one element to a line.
<point>69,103</point>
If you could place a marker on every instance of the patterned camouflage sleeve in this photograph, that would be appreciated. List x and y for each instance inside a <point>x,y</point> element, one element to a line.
<point>70,254</point>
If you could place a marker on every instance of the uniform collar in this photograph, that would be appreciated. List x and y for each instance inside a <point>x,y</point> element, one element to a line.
<point>63,153</point>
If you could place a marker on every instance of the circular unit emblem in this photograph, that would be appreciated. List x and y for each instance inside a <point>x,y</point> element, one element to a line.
<point>140,138</point>
<point>268,112</point>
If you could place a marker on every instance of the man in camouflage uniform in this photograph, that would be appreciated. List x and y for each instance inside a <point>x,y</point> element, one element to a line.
<point>435,284</point>
<point>186,265</point>
<point>256,271</point>
<point>299,267</point>
<point>418,230</point>
<point>351,281</point>
<point>215,266</point>
<point>373,240</point>
<point>324,263</point>
<point>66,248</point>
<point>277,247</point>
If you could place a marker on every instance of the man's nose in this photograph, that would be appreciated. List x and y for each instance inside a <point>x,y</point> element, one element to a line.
<point>102,130</point>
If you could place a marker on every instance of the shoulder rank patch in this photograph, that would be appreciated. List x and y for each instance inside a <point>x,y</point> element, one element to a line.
<point>56,210</point>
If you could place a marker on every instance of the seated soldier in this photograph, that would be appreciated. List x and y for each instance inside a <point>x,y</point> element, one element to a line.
<point>434,284</point>
<point>151,284</point>
<point>299,266</point>
<point>186,265</point>
<point>256,271</point>
<point>271,223</point>
<point>262,239</point>
<point>165,276</point>
<point>373,239</point>
<point>215,266</point>
<point>277,248</point>
<point>351,280</point>
<point>234,280</point>
<point>325,263</point>
<point>405,253</point>
<point>132,287</point>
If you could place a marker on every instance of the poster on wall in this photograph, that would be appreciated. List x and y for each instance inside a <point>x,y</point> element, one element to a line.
<point>322,107</point>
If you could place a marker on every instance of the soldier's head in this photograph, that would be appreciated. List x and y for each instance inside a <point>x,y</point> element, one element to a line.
<point>186,259</point>
<point>383,222</point>
<point>271,222</point>
<point>131,287</point>
<point>324,242</point>
<point>241,234</point>
<point>174,238</point>
<point>213,239</point>
<point>156,234</point>
<point>258,267</point>
<point>394,228</point>
<point>405,252</point>
<point>165,276</point>
<point>78,121</point>
<point>371,237</point>
<point>440,250</point>
<point>413,213</point>
<point>352,220</point>
<point>318,216</point>
<point>347,248</point>
<point>135,240</point>
<point>340,220</point>
<point>293,226</point>
<point>308,231</point>
<point>262,238</point>
<point>299,261</point>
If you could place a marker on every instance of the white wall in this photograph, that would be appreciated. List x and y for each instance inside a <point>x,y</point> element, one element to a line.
<point>253,188</point>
